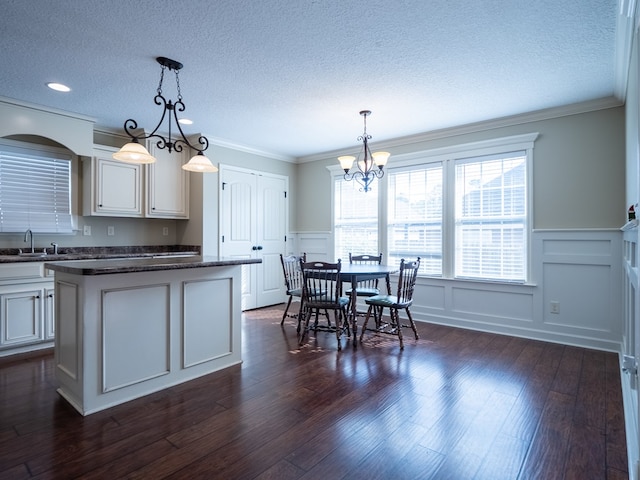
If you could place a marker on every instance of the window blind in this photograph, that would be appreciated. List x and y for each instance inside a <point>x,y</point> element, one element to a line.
<point>491,217</point>
<point>35,190</point>
<point>355,220</point>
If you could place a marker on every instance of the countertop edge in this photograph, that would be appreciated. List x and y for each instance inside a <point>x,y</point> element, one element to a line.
<point>134,265</point>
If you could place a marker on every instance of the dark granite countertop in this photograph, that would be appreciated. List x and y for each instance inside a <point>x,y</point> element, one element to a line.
<point>130,265</point>
<point>9,255</point>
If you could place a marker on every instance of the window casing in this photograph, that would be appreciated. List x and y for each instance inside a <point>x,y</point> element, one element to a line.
<point>464,210</point>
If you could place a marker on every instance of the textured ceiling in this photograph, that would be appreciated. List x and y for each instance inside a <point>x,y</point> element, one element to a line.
<point>289,77</point>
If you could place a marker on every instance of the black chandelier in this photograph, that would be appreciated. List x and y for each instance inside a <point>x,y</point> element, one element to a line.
<point>365,170</point>
<point>135,152</point>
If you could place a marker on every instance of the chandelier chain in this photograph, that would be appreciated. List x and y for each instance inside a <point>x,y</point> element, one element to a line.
<point>159,89</point>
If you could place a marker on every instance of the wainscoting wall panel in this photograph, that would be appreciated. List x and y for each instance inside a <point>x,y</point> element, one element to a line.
<point>579,271</point>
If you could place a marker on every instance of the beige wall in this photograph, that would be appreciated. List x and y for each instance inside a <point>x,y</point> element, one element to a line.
<point>578,172</point>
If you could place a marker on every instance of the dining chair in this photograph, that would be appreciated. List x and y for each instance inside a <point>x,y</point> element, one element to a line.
<point>293,281</point>
<point>401,301</point>
<point>322,290</point>
<point>365,288</point>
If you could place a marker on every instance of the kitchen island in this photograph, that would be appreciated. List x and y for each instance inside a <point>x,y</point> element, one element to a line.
<point>128,327</point>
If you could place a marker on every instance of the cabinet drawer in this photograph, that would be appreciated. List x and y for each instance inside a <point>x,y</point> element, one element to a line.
<point>21,271</point>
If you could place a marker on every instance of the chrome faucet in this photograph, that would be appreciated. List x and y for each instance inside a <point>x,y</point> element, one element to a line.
<point>29,234</point>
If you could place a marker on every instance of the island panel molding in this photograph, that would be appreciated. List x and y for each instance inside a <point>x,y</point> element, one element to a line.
<point>126,328</point>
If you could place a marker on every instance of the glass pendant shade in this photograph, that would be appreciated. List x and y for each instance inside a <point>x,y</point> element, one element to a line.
<point>200,163</point>
<point>346,162</point>
<point>380,158</point>
<point>134,152</point>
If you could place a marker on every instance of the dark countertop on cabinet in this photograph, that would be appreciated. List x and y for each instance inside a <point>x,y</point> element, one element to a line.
<point>11,255</point>
<point>131,265</point>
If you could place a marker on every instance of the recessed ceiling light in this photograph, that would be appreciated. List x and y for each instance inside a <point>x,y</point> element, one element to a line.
<point>185,121</point>
<point>58,87</point>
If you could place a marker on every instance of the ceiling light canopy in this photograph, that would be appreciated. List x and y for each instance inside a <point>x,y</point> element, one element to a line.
<point>365,170</point>
<point>135,152</point>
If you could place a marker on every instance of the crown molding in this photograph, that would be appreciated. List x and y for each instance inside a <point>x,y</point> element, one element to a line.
<point>625,29</point>
<point>538,115</point>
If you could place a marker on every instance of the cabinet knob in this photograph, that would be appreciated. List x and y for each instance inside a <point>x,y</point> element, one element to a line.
<point>100,205</point>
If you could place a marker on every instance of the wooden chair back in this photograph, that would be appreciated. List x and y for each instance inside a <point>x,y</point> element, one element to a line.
<point>292,274</point>
<point>407,282</point>
<point>322,287</point>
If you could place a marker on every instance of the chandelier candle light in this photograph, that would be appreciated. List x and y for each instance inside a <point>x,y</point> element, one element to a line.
<point>365,170</point>
<point>135,152</point>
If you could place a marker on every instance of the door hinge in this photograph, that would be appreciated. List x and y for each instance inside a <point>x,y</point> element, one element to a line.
<point>285,194</point>
<point>223,184</point>
<point>222,238</point>
<point>285,238</point>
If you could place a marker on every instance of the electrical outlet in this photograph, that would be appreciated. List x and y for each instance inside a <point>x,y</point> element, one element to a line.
<point>111,231</point>
<point>87,230</point>
<point>165,231</point>
<point>555,307</point>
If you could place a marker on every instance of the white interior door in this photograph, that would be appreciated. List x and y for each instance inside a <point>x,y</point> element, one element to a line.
<point>271,230</point>
<point>253,224</point>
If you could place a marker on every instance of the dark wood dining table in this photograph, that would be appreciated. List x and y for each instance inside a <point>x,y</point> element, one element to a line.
<point>354,273</point>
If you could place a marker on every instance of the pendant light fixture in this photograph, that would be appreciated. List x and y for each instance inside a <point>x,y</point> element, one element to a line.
<point>369,166</point>
<point>135,152</point>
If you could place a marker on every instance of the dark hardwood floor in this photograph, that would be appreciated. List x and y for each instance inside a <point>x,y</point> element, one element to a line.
<point>454,405</point>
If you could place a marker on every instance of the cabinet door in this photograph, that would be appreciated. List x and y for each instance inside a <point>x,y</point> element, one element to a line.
<point>118,187</point>
<point>21,317</point>
<point>49,309</point>
<point>167,185</point>
<point>111,188</point>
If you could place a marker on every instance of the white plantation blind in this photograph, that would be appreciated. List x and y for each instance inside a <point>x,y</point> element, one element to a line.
<point>355,220</point>
<point>414,209</point>
<point>491,217</point>
<point>35,190</point>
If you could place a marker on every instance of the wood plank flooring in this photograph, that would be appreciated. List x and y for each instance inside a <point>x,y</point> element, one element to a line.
<point>455,404</point>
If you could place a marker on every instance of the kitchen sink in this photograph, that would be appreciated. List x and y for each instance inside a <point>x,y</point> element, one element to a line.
<point>34,254</point>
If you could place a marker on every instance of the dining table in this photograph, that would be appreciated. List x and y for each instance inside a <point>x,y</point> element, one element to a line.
<point>352,273</point>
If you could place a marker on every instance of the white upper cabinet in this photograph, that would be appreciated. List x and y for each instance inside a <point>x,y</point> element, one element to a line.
<point>167,184</point>
<point>110,187</point>
<point>118,189</point>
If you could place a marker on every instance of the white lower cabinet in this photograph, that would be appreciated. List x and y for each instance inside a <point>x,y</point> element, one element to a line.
<point>26,308</point>
<point>49,308</point>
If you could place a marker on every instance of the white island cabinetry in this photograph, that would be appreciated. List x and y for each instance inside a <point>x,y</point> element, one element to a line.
<point>128,328</point>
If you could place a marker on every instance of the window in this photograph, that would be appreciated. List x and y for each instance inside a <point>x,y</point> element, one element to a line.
<point>355,220</point>
<point>464,210</point>
<point>414,210</point>
<point>491,217</point>
<point>35,190</point>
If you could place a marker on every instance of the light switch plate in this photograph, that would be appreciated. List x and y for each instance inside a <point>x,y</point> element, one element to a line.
<point>111,230</point>
<point>87,230</point>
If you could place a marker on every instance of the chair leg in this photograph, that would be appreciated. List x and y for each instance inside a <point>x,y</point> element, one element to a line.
<point>300,315</point>
<point>366,320</point>
<point>336,316</point>
<point>395,316</point>
<point>305,326</point>
<point>286,310</point>
<point>412,323</point>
